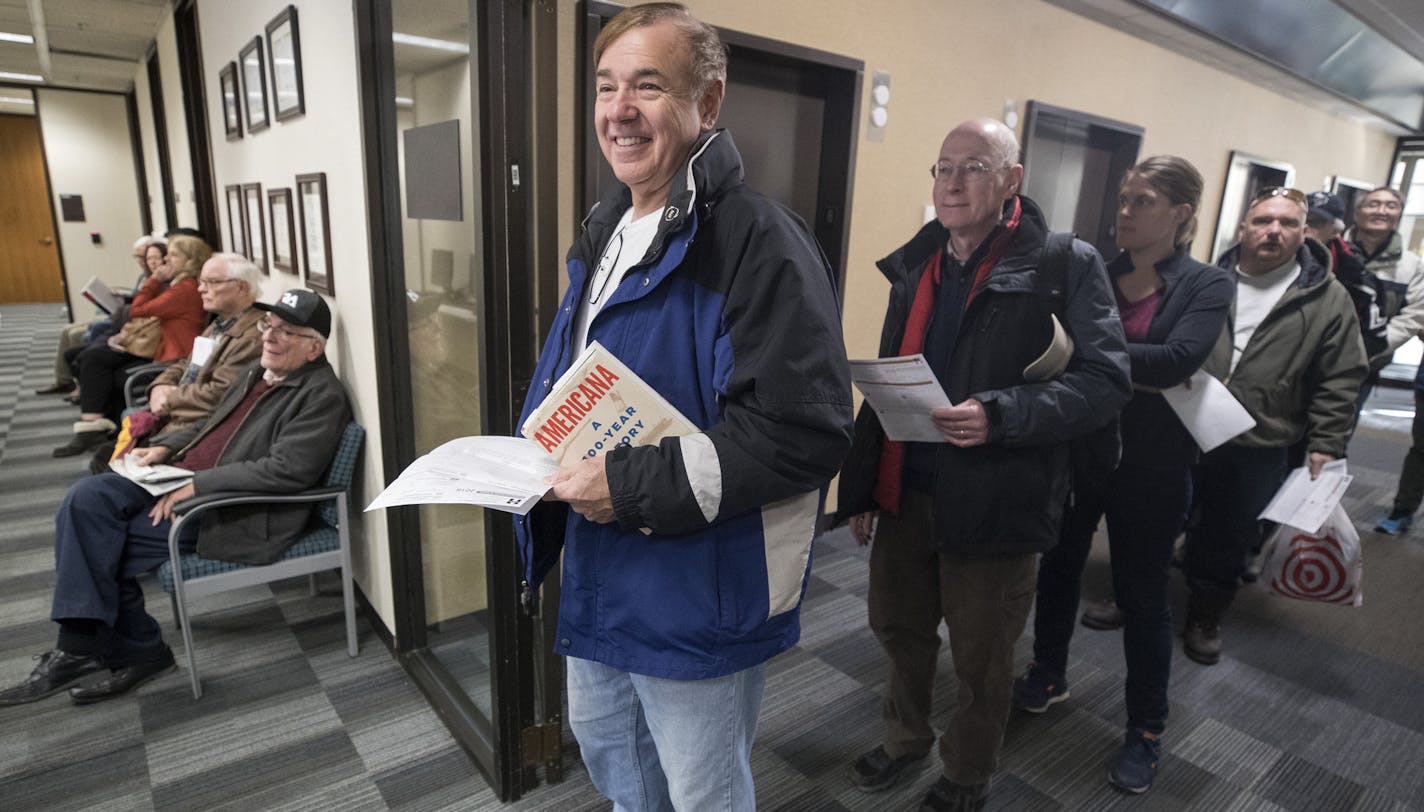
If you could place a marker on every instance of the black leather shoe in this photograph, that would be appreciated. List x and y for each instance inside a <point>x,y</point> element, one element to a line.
<point>122,680</point>
<point>56,671</point>
<point>876,770</point>
<point>56,389</point>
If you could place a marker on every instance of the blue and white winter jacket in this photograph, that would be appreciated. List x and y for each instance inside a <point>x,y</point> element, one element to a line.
<point>732,316</point>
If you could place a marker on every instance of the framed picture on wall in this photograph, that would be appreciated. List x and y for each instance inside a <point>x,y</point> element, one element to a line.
<point>236,220</point>
<point>284,52</point>
<point>315,225</point>
<point>284,234</point>
<point>256,224</point>
<point>232,112</point>
<point>254,85</point>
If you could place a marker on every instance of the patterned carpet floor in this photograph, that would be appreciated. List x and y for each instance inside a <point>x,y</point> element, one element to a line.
<point>1313,707</point>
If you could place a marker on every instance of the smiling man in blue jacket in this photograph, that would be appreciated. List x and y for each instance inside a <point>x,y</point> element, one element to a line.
<point>721,300</point>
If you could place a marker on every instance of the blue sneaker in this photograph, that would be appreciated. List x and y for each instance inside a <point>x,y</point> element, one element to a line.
<point>1037,689</point>
<point>1393,525</point>
<point>1135,765</point>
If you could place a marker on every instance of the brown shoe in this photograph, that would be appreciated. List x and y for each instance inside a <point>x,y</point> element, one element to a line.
<point>1201,641</point>
<point>1103,616</point>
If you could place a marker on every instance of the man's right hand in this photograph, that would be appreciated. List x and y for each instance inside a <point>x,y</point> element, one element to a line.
<point>158,399</point>
<point>862,526</point>
<point>151,455</point>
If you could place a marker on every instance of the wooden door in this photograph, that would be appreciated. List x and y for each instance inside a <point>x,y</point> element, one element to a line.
<point>29,251</point>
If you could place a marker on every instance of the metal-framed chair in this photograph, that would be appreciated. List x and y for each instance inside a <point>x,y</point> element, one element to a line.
<point>136,385</point>
<point>326,545</point>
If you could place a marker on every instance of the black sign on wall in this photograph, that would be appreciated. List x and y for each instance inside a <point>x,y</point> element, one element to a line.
<point>71,208</point>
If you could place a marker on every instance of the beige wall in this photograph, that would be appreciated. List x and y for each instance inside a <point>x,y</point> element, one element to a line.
<point>326,139</point>
<point>89,153</point>
<point>1024,49</point>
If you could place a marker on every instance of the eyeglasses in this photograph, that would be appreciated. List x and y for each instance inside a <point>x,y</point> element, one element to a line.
<point>970,171</point>
<point>267,326</point>
<point>1288,193</point>
<point>212,283</point>
<point>1378,205</point>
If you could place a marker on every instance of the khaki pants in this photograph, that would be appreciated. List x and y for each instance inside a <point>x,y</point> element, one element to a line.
<point>984,600</point>
<point>70,336</point>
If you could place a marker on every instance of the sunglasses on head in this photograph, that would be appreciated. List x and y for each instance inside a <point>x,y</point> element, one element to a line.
<point>1288,193</point>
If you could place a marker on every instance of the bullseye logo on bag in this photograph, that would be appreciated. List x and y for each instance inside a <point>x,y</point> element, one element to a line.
<point>1315,569</point>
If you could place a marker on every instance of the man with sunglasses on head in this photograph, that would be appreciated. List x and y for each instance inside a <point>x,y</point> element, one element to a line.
<point>1291,353</point>
<point>962,521</point>
<point>275,430</point>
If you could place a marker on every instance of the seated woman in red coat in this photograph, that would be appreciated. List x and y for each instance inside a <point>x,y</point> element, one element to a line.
<point>171,296</point>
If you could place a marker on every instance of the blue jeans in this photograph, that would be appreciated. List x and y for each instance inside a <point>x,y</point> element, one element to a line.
<point>103,540</point>
<point>1145,509</point>
<point>662,744</point>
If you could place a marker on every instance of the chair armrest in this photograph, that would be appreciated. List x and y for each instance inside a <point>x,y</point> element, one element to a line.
<point>138,380</point>
<point>203,502</point>
<point>193,507</point>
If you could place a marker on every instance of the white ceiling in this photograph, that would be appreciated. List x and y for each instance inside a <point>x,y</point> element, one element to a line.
<point>93,44</point>
<point>97,44</point>
<point>1401,21</point>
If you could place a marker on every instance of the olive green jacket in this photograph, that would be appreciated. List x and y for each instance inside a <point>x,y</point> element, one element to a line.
<point>1303,367</point>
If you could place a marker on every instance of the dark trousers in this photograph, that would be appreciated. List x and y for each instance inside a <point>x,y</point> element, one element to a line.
<point>1234,483</point>
<point>103,540</point>
<point>1411,477</point>
<point>1144,508</point>
<point>984,600</point>
<point>102,373</point>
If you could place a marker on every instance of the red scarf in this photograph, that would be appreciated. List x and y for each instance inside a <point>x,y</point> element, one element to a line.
<point>892,453</point>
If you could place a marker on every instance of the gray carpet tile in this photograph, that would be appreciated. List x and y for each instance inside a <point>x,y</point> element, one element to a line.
<point>1312,708</point>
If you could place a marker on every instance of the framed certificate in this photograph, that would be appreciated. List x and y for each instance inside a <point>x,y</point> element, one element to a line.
<point>254,85</point>
<point>315,226</point>
<point>232,111</point>
<point>284,232</point>
<point>284,52</point>
<point>236,220</point>
<point>256,225</point>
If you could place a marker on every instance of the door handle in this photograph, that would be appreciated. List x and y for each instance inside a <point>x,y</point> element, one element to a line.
<point>46,241</point>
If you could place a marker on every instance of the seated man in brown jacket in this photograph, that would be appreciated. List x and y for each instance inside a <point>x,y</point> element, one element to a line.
<point>185,393</point>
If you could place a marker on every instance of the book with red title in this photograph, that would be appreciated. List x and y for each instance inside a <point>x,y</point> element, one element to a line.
<point>599,404</point>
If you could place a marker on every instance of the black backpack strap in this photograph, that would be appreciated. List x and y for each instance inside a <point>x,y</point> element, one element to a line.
<point>1052,278</point>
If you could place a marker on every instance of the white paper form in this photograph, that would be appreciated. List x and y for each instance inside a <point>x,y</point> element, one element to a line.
<point>1304,503</point>
<point>156,479</point>
<point>502,473</point>
<point>1208,410</point>
<point>902,391</point>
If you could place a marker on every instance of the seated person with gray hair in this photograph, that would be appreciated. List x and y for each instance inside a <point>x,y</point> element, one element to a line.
<point>276,430</point>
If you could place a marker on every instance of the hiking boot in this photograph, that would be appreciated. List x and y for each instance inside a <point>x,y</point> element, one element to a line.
<point>1135,765</point>
<point>947,796</point>
<point>1395,524</point>
<point>1037,689</point>
<point>1201,641</point>
<point>1103,616</point>
<point>876,770</point>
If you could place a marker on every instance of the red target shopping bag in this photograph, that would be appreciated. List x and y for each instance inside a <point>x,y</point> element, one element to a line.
<point>1323,566</point>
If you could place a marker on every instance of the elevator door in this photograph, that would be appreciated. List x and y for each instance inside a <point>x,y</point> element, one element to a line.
<point>1073,165</point>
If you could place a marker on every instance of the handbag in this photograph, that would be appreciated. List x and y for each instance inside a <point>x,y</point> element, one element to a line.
<point>141,336</point>
<point>1325,566</point>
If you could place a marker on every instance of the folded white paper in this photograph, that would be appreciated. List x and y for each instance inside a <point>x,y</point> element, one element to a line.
<point>1208,410</point>
<point>503,473</point>
<point>1306,503</point>
<point>902,391</point>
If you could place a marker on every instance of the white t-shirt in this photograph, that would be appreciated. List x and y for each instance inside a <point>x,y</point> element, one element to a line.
<point>1255,296</point>
<point>625,249</point>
